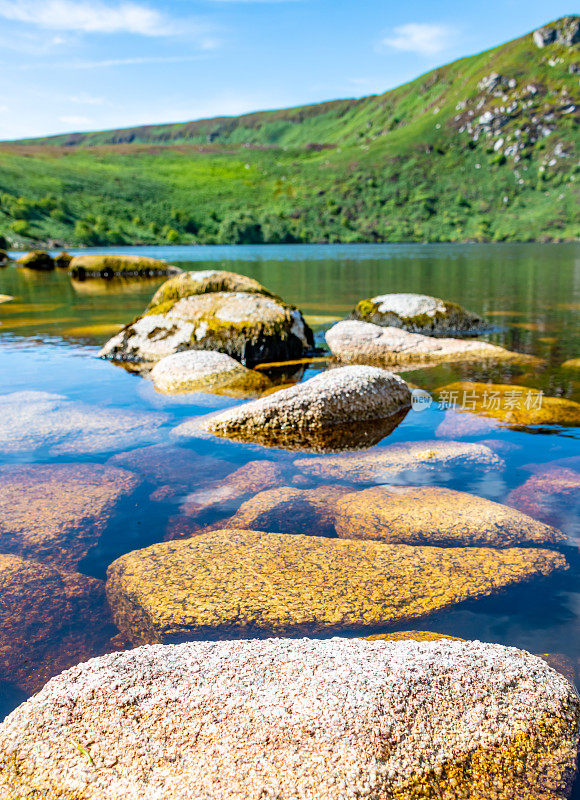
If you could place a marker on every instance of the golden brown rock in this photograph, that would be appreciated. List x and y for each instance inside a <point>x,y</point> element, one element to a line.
<point>57,513</point>
<point>109,266</point>
<point>415,636</point>
<point>50,619</point>
<point>433,515</point>
<point>235,583</point>
<point>511,404</point>
<point>36,259</point>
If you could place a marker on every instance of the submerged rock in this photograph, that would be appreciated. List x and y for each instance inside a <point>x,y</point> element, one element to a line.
<point>206,371</point>
<point>511,404</point>
<point>36,259</point>
<point>50,619</point>
<point>333,398</point>
<point>204,282</point>
<point>415,636</point>
<point>110,266</point>
<point>236,583</point>
<point>418,313</point>
<point>296,719</point>
<point>62,260</point>
<point>431,515</point>
<point>31,421</point>
<point>56,513</point>
<point>548,496</point>
<point>249,327</point>
<point>394,461</point>
<point>456,425</point>
<point>351,341</point>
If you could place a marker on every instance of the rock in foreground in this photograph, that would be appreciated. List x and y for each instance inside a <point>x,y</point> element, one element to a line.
<point>418,313</point>
<point>235,583</point>
<point>111,266</point>
<point>395,461</point>
<point>356,342</point>
<point>206,371</point>
<point>297,720</point>
<point>332,398</point>
<point>434,515</point>
<point>55,513</point>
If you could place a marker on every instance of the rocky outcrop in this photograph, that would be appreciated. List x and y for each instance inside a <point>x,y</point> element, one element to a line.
<point>549,495</point>
<point>511,404</point>
<point>206,371</point>
<point>418,313</point>
<point>431,515</point>
<point>31,421</point>
<point>36,259</point>
<point>110,266</point>
<point>247,326</point>
<point>397,460</point>
<point>331,399</point>
<point>565,31</point>
<point>205,282</point>
<point>56,513</point>
<point>235,583</point>
<point>352,341</point>
<point>50,619</point>
<point>286,719</point>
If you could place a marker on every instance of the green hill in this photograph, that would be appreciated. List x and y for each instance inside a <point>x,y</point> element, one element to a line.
<point>484,148</point>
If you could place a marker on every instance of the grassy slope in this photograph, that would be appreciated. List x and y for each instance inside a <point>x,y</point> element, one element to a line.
<point>411,164</point>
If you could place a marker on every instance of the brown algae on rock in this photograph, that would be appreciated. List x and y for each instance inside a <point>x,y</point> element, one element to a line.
<point>236,583</point>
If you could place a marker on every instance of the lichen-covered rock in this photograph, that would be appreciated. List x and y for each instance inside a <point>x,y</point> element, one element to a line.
<point>203,282</point>
<point>511,404</point>
<point>396,460</point>
<point>249,327</point>
<point>62,260</point>
<point>357,342</point>
<point>31,421</point>
<point>548,495</point>
<point>415,636</point>
<point>36,259</point>
<point>418,313</point>
<point>289,509</point>
<point>50,619</point>
<point>109,266</point>
<point>206,371</point>
<point>333,398</point>
<point>236,583</point>
<point>433,515</point>
<point>297,720</point>
<point>564,31</point>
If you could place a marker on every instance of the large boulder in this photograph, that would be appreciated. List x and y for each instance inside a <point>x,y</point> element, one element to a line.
<point>236,583</point>
<point>297,720</point>
<point>50,619</point>
<point>511,404</point>
<point>56,513</point>
<point>31,421</point>
<point>402,460</point>
<point>206,371</point>
<point>331,399</point>
<point>203,282</point>
<point>357,342</point>
<point>435,515</point>
<point>110,266</point>
<point>250,327</point>
<point>418,313</point>
<point>36,259</point>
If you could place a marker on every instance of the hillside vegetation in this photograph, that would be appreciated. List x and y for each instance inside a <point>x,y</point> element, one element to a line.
<point>482,149</point>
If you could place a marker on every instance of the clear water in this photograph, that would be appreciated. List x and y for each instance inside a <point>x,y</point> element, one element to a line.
<point>50,335</point>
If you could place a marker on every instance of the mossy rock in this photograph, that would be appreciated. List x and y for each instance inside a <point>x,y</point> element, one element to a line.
<point>110,266</point>
<point>250,327</point>
<point>62,260</point>
<point>418,313</point>
<point>36,259</point>
<point>204,282</point>
<point>511,404</point>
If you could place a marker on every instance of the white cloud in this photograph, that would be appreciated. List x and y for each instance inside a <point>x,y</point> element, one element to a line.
<point>423,38</point>
<point>89,17</point>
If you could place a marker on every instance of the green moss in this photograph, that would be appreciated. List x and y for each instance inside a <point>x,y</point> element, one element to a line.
<point>36,259</point>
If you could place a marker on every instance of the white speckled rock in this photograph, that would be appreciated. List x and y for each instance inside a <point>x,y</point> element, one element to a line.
<point>419,313</point>
<point>331,398</point>
<point>203,282</point>
<point>281,719</point>
<point>352,341</point>
<point>206,371</point>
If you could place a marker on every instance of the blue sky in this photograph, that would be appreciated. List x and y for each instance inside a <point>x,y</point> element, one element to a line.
<point>95,64</point>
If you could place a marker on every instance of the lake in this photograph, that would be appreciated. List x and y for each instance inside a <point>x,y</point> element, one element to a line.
<point>51,333</point>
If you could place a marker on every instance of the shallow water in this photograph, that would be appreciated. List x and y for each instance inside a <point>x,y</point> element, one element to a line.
<point>51,332</point>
